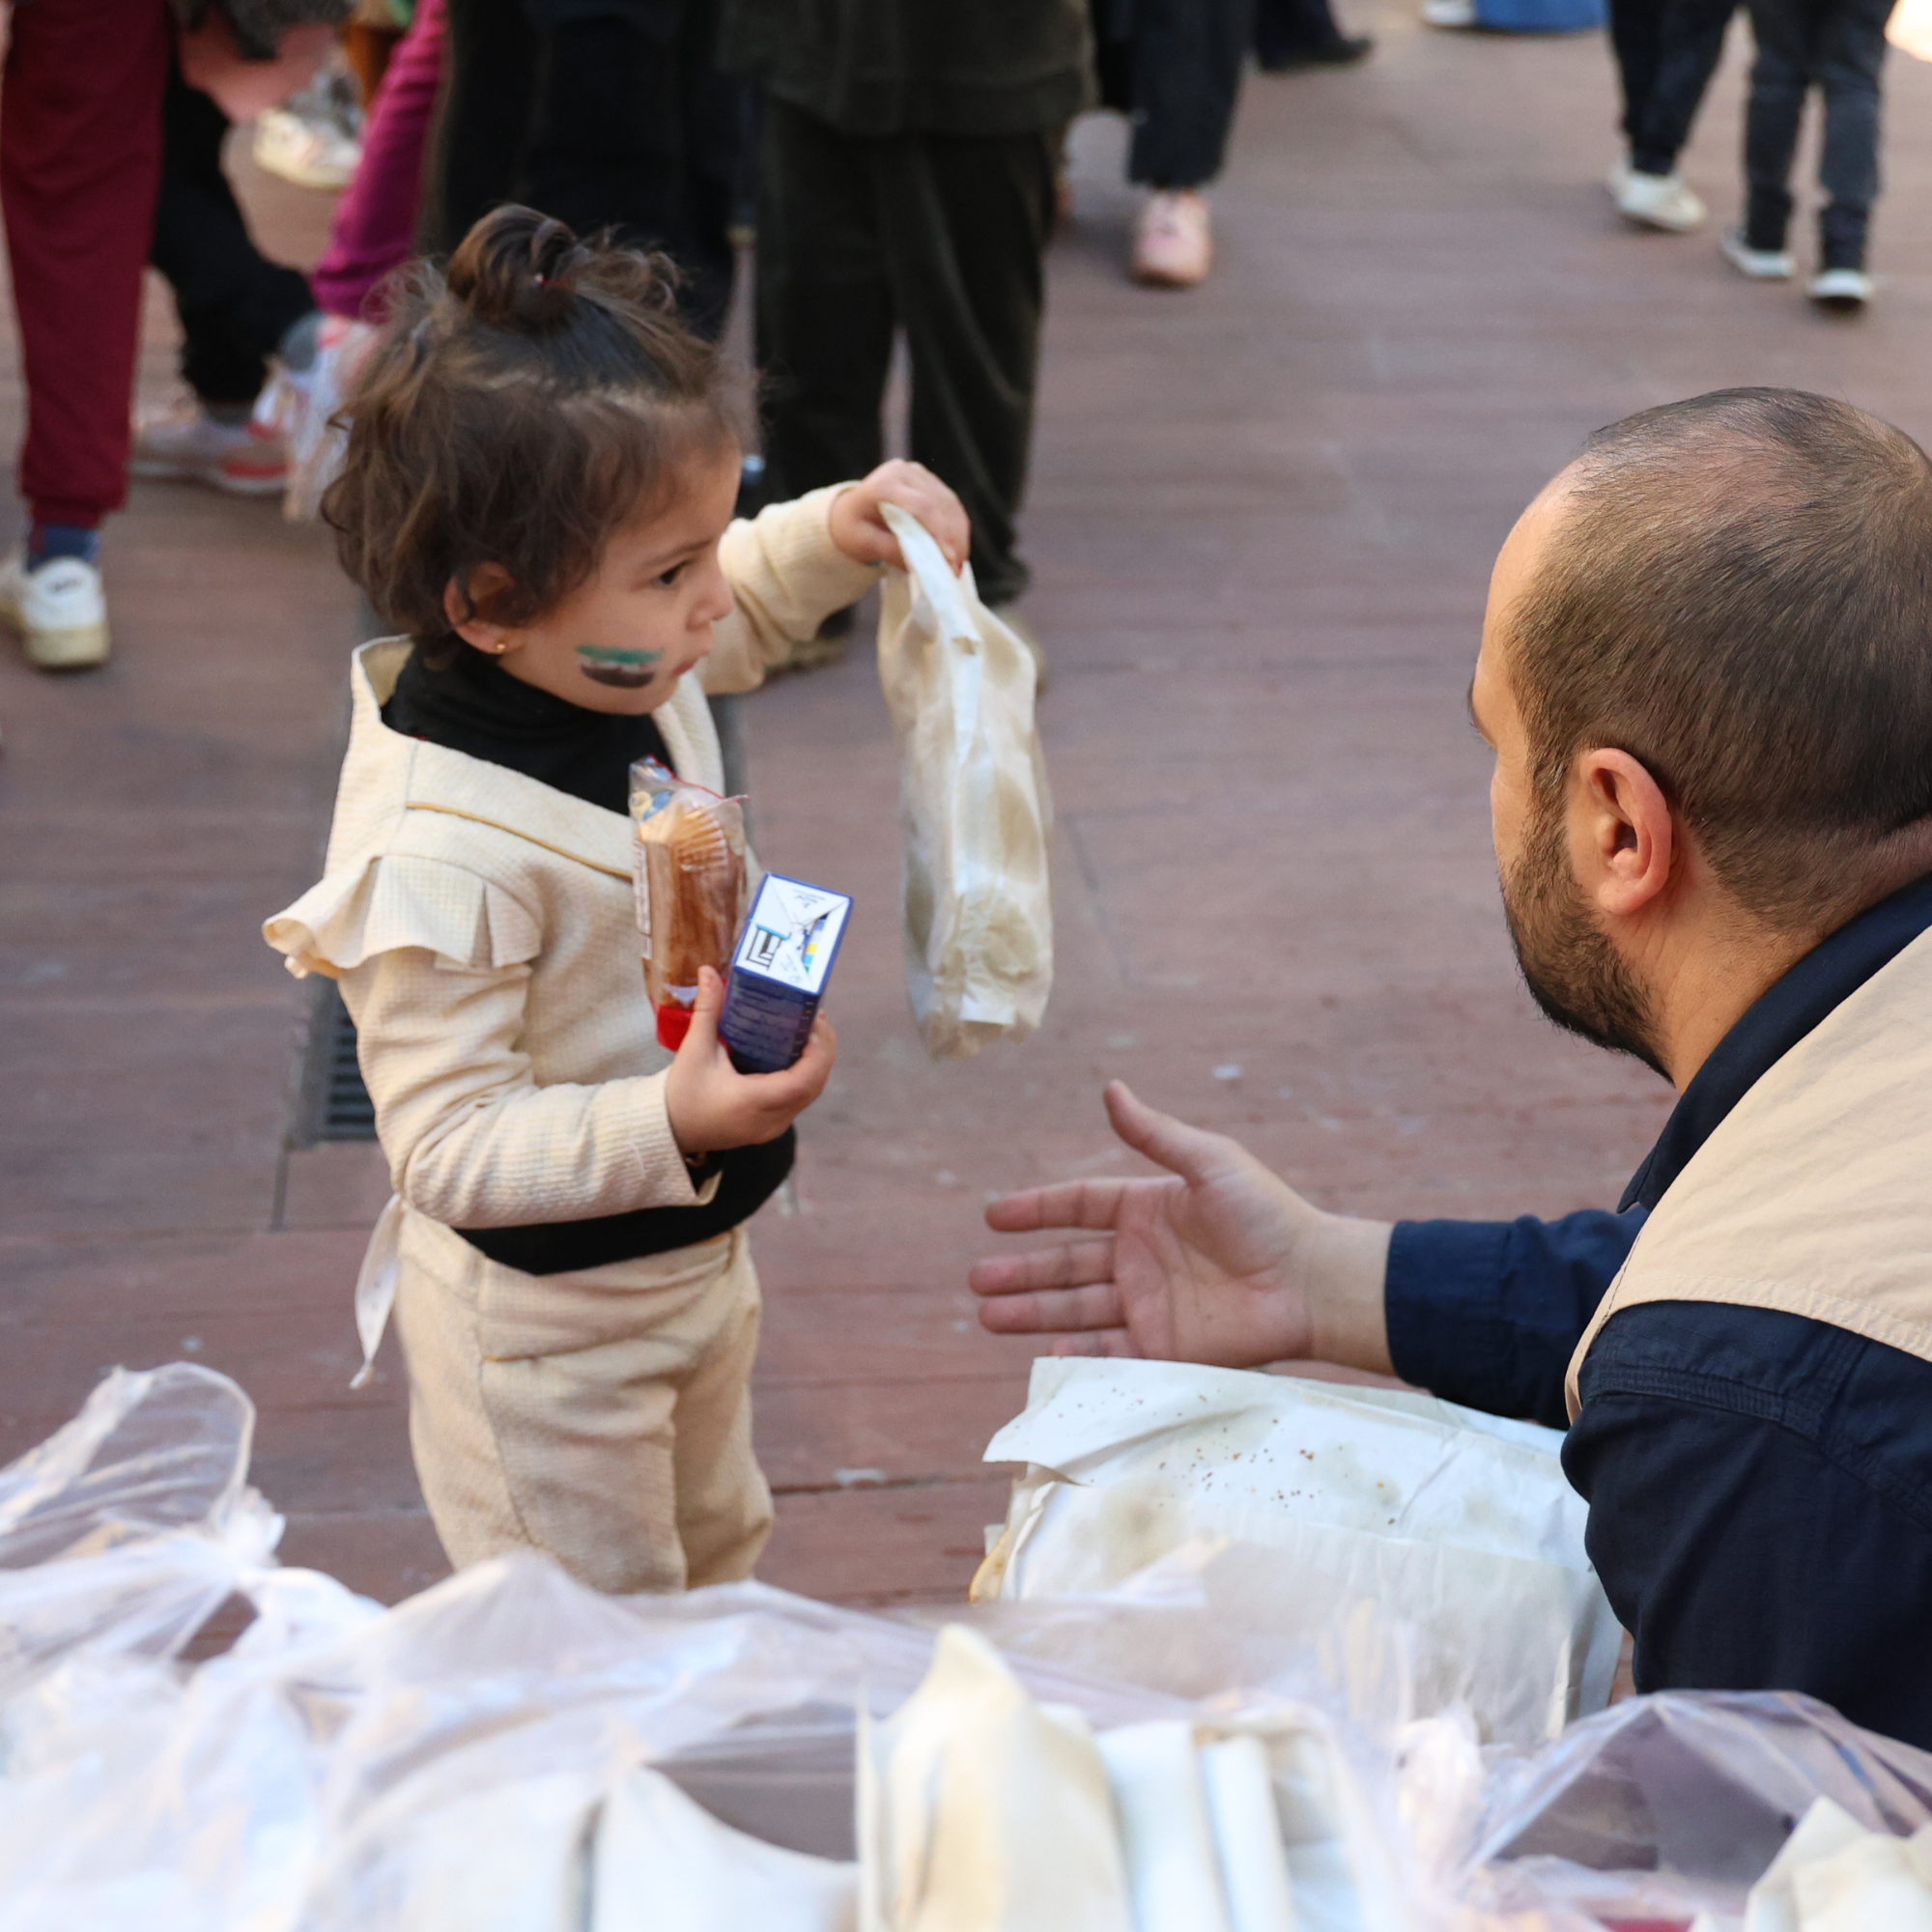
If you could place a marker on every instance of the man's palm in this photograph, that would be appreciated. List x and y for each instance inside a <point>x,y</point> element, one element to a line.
<point>1197,1267</point>
<point>1203,1265</point>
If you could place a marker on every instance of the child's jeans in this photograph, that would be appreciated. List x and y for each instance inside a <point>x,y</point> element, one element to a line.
<point>603,1417</point>
<point>1838,46</point>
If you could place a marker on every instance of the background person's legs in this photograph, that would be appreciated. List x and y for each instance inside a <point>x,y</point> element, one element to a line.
<point>80,168</point>
<point>490,52</point>
<point>1851,57</point>
<point>824,303</point>
<point>234,304</point>
<point>1636,38</point>
<point>1186,63</point>
<point>1785,32</point>
<point>616,122</point>
<point>966,220</point>
<point>1690,40</point>
<point>1298,33</point>
<point>1174,67</point>
<point>632,127</point>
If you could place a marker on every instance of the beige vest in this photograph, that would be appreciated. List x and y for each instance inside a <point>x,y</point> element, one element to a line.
<point>1814,1194</point>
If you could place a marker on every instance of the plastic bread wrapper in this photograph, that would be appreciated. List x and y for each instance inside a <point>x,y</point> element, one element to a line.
<point>973,802</point>
<point>691,874</point>
<point>1458,1526</point>
<point>981,1809</point>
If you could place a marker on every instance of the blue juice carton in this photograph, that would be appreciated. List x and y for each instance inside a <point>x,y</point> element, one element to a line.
<point>778,972</point>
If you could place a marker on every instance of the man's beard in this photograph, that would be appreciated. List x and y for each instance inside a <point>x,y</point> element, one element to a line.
<point>1571,970</point>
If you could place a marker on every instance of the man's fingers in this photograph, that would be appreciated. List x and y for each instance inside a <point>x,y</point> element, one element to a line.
<point>1072,1204</point>
<point>1055,1311</point>
<point>1192,1152</point>
<point>1073,1265</point>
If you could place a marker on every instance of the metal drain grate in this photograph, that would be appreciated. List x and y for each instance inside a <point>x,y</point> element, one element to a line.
<point>332,1104</point>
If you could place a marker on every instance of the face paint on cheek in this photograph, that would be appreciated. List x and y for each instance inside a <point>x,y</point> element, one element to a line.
<point>627,670</point>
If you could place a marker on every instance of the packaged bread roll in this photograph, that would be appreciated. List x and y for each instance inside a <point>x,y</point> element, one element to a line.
<point>688,854</point>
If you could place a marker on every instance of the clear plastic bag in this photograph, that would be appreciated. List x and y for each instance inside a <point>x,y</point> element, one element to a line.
<point>1679,1802</point>
<point>691,879</point>
<point>451,1761</point>
<point>132,1795</point>
<point>976,812</point>
<point>124,1531</point>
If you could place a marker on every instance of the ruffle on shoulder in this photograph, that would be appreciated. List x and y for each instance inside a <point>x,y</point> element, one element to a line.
<point>403,900</point>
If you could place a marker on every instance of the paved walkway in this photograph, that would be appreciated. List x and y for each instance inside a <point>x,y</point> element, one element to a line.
<point>1262,523</point>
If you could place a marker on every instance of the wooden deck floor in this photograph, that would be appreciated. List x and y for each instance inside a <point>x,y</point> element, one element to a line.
<point>1261,521</point>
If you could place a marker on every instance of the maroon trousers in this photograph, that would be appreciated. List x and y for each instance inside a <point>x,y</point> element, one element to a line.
<point>81,169</point>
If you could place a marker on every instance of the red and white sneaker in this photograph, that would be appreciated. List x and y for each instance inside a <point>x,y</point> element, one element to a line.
<point>180,442</point>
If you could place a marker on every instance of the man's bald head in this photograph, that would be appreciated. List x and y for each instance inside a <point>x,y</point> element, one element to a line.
<point>1736,591</point>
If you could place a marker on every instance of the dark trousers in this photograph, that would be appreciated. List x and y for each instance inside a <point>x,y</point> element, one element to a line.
<point>234,304</point>
<point>1838,47</point>
<point>1173,68</point>
<point>1667,53</point>
<point>939,235</point>
<point>1286,28</point>
<point>80,164</point>
<point>621,120</point>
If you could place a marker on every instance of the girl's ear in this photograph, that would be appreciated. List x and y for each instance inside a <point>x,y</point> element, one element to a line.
<point>486,582</point>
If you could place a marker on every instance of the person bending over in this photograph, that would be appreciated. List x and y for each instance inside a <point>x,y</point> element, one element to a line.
<point>1706,675</point>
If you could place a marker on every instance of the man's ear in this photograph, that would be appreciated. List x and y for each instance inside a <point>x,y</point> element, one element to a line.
<point>486,582</point>
<point>1623,837</point>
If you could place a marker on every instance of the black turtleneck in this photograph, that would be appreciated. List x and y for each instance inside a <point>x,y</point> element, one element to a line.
<point>475,706</point>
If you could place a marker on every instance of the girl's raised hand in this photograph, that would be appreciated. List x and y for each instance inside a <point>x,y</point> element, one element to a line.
<point>713,1106</point>
<point>859,524</point>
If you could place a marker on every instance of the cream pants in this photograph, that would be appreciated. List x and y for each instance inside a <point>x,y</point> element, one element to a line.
<point>603,1417</point>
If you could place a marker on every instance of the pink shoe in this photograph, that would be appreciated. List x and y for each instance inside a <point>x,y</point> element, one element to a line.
<point>1174,247</point>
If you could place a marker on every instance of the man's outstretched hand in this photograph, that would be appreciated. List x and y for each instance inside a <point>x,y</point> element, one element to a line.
<point>1218,1261</point>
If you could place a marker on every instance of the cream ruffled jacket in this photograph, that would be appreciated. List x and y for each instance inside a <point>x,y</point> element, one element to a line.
<point>483,931</point>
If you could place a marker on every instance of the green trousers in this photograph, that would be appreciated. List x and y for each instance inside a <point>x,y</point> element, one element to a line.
<point>939,235</point>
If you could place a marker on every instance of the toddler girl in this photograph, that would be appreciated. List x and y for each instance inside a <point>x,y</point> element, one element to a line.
<point>538,490</point>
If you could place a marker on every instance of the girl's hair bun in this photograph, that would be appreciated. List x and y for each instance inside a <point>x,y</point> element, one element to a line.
<point>522,270</point>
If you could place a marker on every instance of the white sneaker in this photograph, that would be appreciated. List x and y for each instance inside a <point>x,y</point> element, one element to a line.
<point>311,153</point>
<point>1844,288</point>
<point>1449,12</point>
<point>180,442</point>
<point>297,409</point>
<point>59,610</point>
<point>1761,265</point>
<point>1657,201</point>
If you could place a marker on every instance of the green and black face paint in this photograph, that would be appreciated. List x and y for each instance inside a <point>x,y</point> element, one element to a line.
<point>627,670</point>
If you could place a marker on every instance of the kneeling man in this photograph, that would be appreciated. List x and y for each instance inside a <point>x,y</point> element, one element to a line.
<point>1706,674</point>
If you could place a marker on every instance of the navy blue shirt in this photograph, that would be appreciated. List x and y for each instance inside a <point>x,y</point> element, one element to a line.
<point>1760,1484</point>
